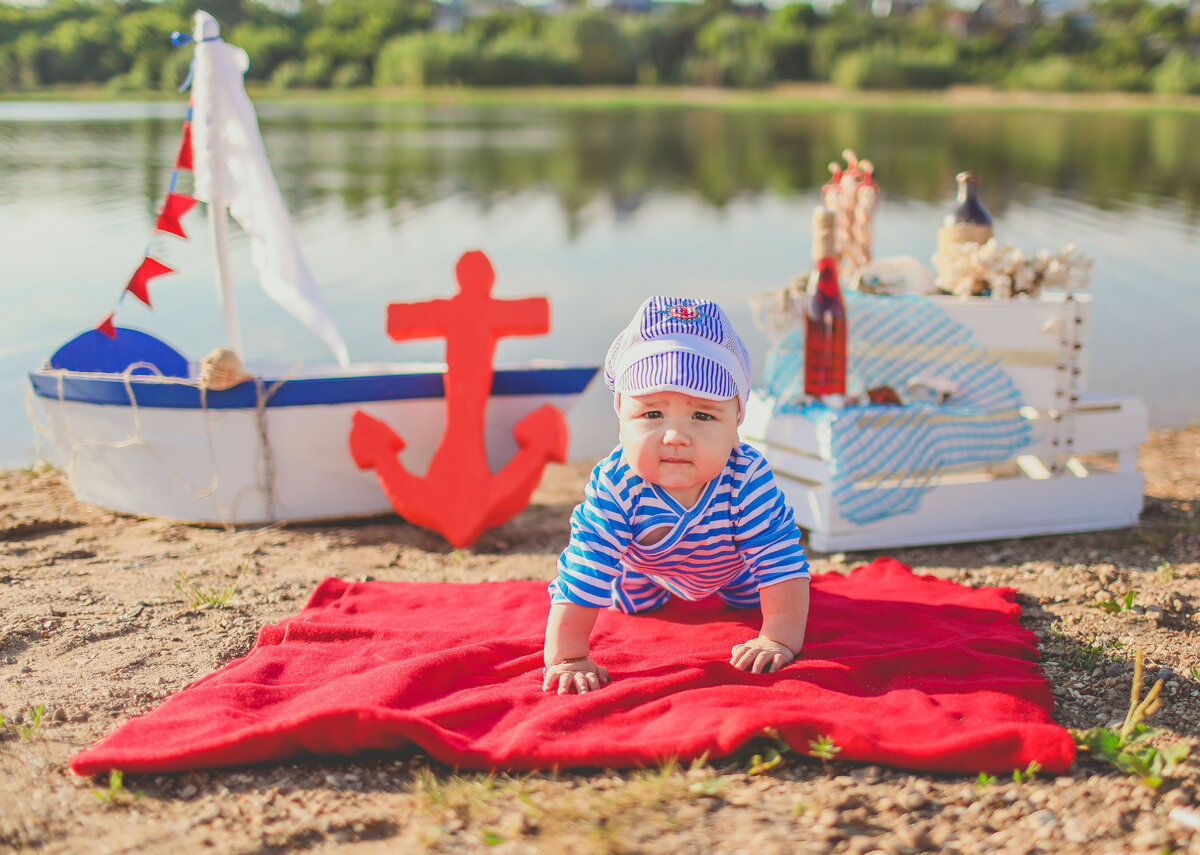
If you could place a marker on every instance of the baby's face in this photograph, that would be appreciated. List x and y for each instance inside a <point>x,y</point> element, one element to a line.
<point>677,441</point>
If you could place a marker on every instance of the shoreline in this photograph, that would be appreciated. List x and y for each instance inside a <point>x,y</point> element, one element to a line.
<point>784,96</point>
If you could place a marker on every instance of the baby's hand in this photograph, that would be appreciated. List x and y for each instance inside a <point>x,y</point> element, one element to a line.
<point>760,655</point>
<point>579,677</point>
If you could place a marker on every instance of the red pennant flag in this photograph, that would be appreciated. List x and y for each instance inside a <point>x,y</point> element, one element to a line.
<point>175,207</point>
<point>106,326</point>
<point>147,270</point>
<point>183,160</point>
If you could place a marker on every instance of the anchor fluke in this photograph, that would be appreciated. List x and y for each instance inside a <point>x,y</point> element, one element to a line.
<point>371,439</point>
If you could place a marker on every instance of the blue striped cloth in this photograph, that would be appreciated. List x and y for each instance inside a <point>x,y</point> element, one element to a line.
<point>885,458</point>
<point>739,536</point>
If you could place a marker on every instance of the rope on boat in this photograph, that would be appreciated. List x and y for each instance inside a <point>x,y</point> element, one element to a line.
<point>226,514</point>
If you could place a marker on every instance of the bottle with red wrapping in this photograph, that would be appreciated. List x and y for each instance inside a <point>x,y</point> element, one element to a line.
<point>824,315</point>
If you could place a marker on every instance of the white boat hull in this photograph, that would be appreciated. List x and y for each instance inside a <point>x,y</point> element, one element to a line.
<point>251,465</point>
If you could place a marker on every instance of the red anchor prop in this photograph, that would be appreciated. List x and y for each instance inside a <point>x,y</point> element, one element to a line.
<point>459,497</point>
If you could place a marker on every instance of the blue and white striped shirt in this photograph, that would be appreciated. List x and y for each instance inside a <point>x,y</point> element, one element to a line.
<point>741,524</point>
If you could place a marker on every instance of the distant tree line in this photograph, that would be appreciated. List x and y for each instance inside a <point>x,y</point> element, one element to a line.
<point>1112,45</point>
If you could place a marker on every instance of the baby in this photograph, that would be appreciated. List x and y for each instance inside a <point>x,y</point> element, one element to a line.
<point>681,506</point>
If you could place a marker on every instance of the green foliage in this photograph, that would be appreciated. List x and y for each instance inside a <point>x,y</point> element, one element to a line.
<point>513,58</point>
<point>269,47</point>
<point>1117,606</point>
<point>730,50</point>
<point>1166,571</point>
<point>595,46</point>
<point>1052,74</point>
<point>823,748</point>
<point>1084,657</point>
<point>658,47</point>
<point>1030,772</point>
<point>288,75</point>
<point>1119,44</point>
<point>36,714</point>
<point>765,762</point>
<point>1178,74</point>
<point>195,596</point>
<point>116,795</point>
<point>886,67</point>
<point>517,59</point>
<point>984,781</point>
<point>1127,748</point>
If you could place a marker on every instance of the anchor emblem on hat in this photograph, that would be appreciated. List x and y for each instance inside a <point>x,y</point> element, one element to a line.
<point>459,496</point>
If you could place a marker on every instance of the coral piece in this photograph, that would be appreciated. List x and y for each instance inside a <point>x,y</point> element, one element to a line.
<point>998,270</point>
<point>851,193</point>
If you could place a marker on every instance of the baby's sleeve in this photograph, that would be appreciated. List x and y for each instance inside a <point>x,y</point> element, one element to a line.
<point>764,527</point>
<point>600,534</point>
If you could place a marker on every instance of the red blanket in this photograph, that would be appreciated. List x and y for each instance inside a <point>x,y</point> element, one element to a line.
<point>901,669</point>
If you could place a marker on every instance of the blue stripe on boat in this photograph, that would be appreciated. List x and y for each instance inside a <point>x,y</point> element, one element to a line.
<point>303,391</point>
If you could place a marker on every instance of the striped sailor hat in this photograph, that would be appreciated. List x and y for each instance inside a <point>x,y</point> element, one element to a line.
<point>679,344</point>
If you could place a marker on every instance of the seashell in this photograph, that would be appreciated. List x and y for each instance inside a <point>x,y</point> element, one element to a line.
<point>222,369</point>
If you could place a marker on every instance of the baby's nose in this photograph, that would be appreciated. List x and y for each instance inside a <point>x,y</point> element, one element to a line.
<point>674,436</point>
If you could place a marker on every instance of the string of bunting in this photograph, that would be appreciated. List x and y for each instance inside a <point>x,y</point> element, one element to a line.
<point>174,207</point>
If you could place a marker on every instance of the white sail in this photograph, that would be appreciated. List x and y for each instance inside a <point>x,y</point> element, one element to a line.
<point>231,169</point>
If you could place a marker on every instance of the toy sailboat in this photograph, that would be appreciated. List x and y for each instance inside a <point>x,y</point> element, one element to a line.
<point>141,429</point>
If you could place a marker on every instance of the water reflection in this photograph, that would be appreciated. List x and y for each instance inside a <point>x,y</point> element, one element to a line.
<point>416,154</point>
<point>596,207</point>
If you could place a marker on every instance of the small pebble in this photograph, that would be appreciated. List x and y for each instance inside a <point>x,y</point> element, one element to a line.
<point>1043,818</point>
<point>1187,817</point>
<point>828,818</point>
<point>1074,832</point>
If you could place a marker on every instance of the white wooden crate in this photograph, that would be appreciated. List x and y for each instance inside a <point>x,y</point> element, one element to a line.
<point>1078,474</point>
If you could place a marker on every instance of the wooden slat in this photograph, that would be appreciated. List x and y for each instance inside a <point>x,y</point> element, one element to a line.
<point>1010,507</point>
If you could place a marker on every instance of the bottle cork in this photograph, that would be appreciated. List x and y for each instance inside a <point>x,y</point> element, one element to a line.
<point>824,243</point>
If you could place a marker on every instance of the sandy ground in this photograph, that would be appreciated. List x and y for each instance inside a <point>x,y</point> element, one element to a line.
<point>96,627</point>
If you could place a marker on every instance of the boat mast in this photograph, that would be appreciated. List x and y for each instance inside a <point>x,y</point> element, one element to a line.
<point>218,219</point>
<point>218,224</point>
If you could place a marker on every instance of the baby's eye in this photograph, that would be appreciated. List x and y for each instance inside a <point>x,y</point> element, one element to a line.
<point>652,414</point>
<point>702,416</point>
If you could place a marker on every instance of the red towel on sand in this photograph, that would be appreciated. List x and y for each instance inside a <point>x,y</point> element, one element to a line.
<point>906,670</point>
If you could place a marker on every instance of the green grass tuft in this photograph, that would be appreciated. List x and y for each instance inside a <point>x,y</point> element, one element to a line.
<point>196,597</point>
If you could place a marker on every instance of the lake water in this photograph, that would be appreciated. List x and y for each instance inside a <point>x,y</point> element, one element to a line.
<point>595,208</point>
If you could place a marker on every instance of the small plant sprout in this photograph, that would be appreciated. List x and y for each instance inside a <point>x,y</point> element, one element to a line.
<point>1167,572</point>
<point>765,762</point>
<point>196,597</point>
<point>35,717</point>
<point>823,748</point>
<point>1029,774</point>
<point>1126,748</point>
<point>116,794</point>
<point>1116,606</point>
<point>984,781</point>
